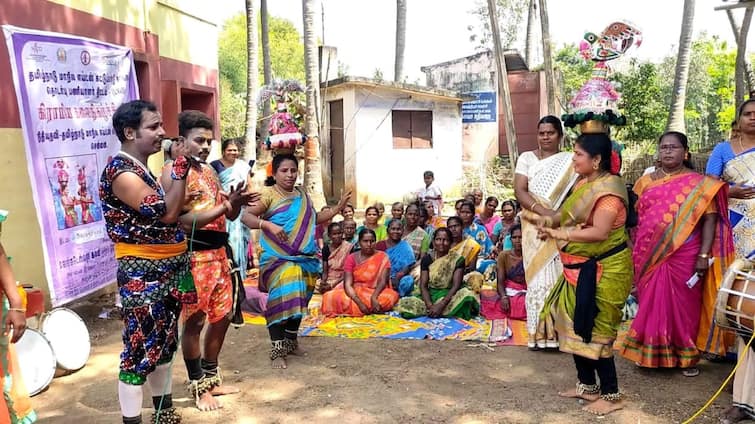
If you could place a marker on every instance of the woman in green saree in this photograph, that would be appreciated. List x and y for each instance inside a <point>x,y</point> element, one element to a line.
<point>441,289</point>
<point>586,303</point>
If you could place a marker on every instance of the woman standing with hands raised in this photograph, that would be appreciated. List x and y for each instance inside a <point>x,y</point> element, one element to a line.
<point>289,266</point>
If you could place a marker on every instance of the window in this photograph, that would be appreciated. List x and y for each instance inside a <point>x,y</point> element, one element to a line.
<point>412,129</point>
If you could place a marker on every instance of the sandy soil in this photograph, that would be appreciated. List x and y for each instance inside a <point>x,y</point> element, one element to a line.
<point>382,381</point>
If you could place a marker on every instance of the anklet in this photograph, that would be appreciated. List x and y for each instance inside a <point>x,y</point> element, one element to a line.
<point>612,397</point>
<point>587,389</point>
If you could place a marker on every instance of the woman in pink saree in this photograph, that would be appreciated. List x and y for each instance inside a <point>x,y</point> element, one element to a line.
<point>683,224</point>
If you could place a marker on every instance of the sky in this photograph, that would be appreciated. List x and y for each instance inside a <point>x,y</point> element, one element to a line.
<point>363,31</point>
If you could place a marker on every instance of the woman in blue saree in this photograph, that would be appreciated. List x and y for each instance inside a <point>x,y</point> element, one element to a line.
<point>289,264</point>
<point>233,172</point>
<point>486,264</point>
<point>401,256</point>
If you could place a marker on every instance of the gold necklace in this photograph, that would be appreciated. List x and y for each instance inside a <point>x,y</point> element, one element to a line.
<point>668,175</point>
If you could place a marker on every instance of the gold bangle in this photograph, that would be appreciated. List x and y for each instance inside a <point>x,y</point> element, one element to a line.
<point>703,256</point>
<point>23,310</point>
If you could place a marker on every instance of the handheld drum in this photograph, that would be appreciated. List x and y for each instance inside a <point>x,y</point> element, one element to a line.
<point>36,360</point>
<point>69,338</point>
<point>735,306</point>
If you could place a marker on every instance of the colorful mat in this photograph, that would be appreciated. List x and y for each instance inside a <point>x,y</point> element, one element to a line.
<point>391,326</point>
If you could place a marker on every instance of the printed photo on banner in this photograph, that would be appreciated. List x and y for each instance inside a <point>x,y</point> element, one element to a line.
<point>73,184</point>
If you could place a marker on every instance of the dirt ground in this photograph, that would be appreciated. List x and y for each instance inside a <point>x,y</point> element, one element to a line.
<point>382,381</point>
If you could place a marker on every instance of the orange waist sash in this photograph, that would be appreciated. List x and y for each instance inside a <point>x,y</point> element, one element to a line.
<point>150,251</point>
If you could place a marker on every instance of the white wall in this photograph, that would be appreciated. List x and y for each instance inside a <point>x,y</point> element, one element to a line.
<point>386,174</point>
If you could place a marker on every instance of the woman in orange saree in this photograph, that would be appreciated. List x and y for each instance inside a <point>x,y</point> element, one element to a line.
<point>682,225</point>
<point>365,288</point>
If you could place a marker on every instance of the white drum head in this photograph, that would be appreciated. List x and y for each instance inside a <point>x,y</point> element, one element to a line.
<point>69,338</point>
<point>36,360</point>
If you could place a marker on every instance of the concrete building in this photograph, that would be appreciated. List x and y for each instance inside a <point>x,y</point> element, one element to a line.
<point>381,136</point>
<point>475,76</point>
<point>175,51</point>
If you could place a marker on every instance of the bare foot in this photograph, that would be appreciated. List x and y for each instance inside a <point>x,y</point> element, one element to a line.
<point>279,363</point>
<point>603,407</point>
<point>224,390</point>
<point>572,393</point>
<point>208,403</point>
<point>731,415</point>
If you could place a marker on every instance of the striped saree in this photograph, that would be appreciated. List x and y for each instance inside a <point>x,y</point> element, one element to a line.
<point>290,268</point>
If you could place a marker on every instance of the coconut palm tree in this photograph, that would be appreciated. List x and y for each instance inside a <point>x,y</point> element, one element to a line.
<point>398,70</point>
<point>250,152</point>
<point>683,56</point>
<point>743,74</point>
<point>547,57</point>
<point>312,166</point>
<point>529,42</point>
<point>267,67</point>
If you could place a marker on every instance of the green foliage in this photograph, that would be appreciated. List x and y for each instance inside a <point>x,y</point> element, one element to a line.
<point>232,110</point>
<point>642,102</point>
<point>572,70</point>
<point>510,17</point>
<point>286,51</point>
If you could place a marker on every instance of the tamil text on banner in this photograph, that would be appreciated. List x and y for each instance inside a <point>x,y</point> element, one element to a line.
<point>68,88</point>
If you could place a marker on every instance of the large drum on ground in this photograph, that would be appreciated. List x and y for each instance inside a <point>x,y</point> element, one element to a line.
<point>735,307</point>
<point>69,338</point>
<point>36,360</point>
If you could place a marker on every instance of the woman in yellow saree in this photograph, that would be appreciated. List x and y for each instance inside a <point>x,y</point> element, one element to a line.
<point>465,246</point>
<point>442,293</point>
<point>365,289</point>
<point>585,305</point>
<point>542,179</point>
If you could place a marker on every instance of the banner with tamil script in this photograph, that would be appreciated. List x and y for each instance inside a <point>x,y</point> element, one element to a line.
<point>68,88</point>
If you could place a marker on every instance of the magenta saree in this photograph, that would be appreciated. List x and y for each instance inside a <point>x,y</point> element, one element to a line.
<point>667,242</point>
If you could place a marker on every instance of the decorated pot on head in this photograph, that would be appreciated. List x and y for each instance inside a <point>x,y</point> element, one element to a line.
<point>595,107</point>
<point>285,135</point>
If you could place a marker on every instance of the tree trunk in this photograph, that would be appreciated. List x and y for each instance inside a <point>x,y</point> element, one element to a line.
<point>529,43</point>
<point>741,67</point>
<point>312,167</point>
<point>250,152</point>
<point>547,58</point>
<point>398,69</point>
<point>749,75</point>
<point>503,85</point>
<point>679,95</point>
<point>264,156</point>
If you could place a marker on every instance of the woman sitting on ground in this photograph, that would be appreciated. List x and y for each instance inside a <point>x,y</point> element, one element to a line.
<point>413,233</point>
<point>507,301</point>
<point>434,219</point>
<point>333,258</point>
<point>365,289</point>
<point>348,212</point>
<point>486,266</point>
<point>401,256</point>
<point>464,245</point>
<point>500,236</point>
<point>371,215</point>
<point>441,285</point>
<point>488,218</point>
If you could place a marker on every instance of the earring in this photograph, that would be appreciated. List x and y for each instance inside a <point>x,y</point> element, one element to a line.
<point>595,166</point>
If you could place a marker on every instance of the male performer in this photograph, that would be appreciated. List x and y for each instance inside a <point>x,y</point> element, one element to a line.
<point>141,218</point>
<point>204,215</point>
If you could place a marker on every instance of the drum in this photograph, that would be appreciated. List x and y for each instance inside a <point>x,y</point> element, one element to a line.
<point>735,306</point>
<point>68,336</point>
<point>36,360</point>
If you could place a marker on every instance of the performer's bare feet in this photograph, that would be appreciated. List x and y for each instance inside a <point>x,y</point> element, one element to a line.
<point>224,390</point>
<point>603,407</point>
<point>207,402</point>
<point>279,363</point>
<point>731,415</point>
<point>572,393</point>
